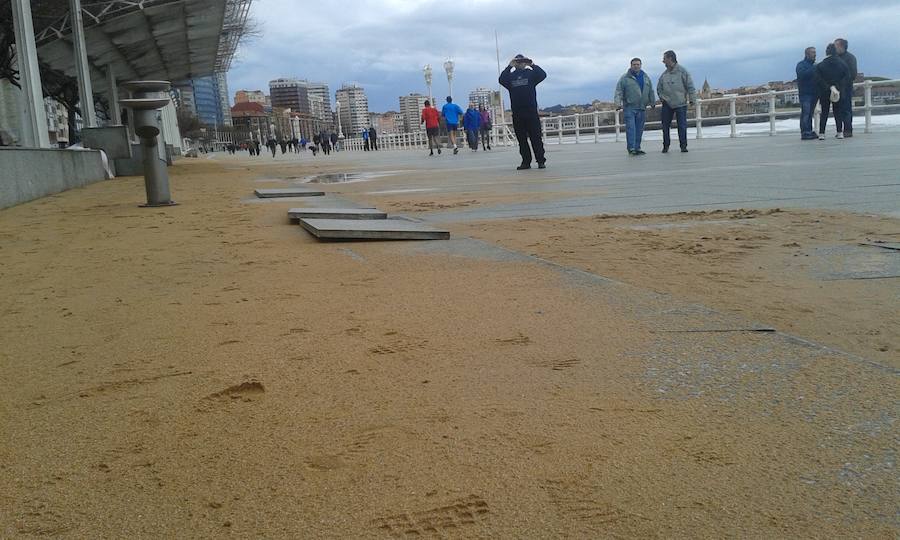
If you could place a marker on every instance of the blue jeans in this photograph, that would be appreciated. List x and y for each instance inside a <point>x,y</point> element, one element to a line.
<point>634,127</point>
<point>680,115</point>
<point>807,106</point>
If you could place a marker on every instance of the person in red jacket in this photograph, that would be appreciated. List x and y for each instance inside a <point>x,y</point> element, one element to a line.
<point>432,119</point>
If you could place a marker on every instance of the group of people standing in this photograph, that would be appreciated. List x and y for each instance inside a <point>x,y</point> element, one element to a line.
<point>634,93</point>
<point>829,84</point>
<point>370,138</point>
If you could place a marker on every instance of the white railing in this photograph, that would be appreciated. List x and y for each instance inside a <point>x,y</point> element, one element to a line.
<point>588,127</point>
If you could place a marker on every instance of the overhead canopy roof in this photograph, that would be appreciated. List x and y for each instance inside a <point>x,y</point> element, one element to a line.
<point>168,40</point>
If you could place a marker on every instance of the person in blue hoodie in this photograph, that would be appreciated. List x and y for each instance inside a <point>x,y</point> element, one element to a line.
<point>471,123</point>
<point>521,78</point>
<point>451,112</point>
<point>808,92</point>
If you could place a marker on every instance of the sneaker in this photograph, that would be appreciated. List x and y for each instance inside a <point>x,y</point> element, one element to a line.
<point>439,150</point>
<point>639,152</point>
<point>631,152</point>
<point>665,150</point>
<point>848,134</point>
<point>542,166</point>
<point>821,136</point>
<point>523,166</point>
<point>839,136</point>
<point>455,151</point>
<point>684,149</point>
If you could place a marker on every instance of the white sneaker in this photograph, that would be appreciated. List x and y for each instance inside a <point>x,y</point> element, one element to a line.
<point>839,136</point>
<point>821,136</point>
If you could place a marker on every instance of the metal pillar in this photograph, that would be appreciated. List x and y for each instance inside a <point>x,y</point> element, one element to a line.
<point>772,131</point>
<point>868,95</point>
<point>31,106</point>
<point>115,114</point>
<point>82,68</point>
<point>699,110</point>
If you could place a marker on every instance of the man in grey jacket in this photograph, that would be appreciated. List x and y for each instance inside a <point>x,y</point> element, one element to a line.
<point>633,94</point>
<point>676,91</point>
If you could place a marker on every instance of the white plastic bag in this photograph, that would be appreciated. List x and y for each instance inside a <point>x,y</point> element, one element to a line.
<point>835,95</point>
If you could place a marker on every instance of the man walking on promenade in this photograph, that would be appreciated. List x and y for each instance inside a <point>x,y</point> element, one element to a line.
<point>365,137</point>
<point>452,112</point>
<point>373,138</point>
<point>832,75</point>
<point>676,91</point>
<point>633,94</point>
<point>809,94</point>
<point>471,123</point>
<point>432,119</point>
<point>846,102</point>
<point>521,79</point>
<point>485,128</point>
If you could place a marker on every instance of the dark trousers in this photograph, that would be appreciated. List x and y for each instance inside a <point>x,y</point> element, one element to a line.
<point>807,106</point>
<point>680,115</point>
<point>472,138</point>
<point>846,106</point>
<point>485,138</point>
<point>366,145</point>
<point>835,109</point>
<point>373,143</point>
<point>527,125</point>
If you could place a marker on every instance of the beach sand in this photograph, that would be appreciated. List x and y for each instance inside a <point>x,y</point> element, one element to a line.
<point>210,370</point>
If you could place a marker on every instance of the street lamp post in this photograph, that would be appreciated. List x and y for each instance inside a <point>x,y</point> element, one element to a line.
<point>337,110</point>
<point>448,67</point>
<point>427,72</point>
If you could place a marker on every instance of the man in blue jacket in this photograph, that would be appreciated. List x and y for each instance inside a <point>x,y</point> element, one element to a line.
<point>471,123</point>
<point>451,112</point>
<point>809,94</point>
<point>520,78</point>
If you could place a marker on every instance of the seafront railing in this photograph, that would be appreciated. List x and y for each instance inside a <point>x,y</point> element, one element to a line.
<point>596,126</point>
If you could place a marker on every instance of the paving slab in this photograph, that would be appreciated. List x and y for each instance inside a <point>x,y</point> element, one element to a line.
<point>336,213</point>
<point>372,229</point>
<point>268,193</point>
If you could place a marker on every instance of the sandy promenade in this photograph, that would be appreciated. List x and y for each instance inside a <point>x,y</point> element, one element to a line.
<point>209,370</point>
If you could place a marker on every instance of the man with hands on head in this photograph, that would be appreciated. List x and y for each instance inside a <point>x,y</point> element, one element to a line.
<point>520,78</point>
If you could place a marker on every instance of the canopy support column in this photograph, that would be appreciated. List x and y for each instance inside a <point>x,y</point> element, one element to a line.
<point>34,116</point>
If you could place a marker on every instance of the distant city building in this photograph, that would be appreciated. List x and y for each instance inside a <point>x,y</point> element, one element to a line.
<point>224,105</point>
<point>251,96</point>
<point>392,122</point>
<point>250,120</point>
<point>482,96</point>
<point>290,94</point>
<point>411,108</point>
<point>321,95</point>
<point>204,98</point>
<point>354,109</point>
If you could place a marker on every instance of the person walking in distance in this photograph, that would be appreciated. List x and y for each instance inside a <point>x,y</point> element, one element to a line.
<point>365,138</point>
<point>521,78</point>
<point>485,128</point>
<point>832,74</point>
<point>846,101</point>
<point>808,93</point>
<point>432,120</point>
<point>634,93</point>
<point>451,112</point>
<point>471,123</point>
<point>373,138</point>
<point>676,91</point>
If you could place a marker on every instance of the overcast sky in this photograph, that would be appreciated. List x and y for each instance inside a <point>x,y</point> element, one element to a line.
<point>584,45</point>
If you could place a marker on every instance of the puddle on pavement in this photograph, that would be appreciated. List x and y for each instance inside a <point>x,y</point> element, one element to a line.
<point>341,178</point>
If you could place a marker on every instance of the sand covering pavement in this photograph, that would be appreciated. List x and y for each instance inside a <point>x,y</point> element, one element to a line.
<point>210,370</point>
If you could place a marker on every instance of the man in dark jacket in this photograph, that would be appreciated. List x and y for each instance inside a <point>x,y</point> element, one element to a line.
<point>373,138</point>
<point>846,102</point>
<point>831,72</point>
<point>809,94</point>
<point>521,78</point>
